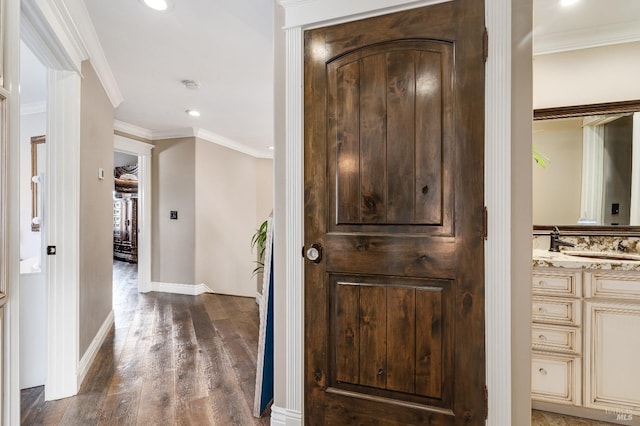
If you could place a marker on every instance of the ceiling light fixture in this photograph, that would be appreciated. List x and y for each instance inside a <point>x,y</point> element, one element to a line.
<point>565,3</point>
<point>157,4</point>
<point>272,148</point>
<point>193,112</point>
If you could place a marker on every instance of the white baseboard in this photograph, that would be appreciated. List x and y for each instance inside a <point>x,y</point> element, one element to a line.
<point>188,289</point>
<point>283,417</point>
<point>94,347</point>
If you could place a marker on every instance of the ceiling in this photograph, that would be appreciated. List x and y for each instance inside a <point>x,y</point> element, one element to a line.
<point>587,23</point>
<point>226,46</point>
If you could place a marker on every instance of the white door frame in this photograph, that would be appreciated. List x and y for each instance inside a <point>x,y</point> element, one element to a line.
<point>143,151</point>
<point>305,14</point>
<point>60,224</point>
<point>60,35</point>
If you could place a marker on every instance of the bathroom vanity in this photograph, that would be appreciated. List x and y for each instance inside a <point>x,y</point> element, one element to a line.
<point>585,331</point>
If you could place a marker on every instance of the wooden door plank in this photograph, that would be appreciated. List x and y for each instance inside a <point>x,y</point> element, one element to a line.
<point>401,136</point>
<point>429,347</point>
<point>348,333</point>
<point>348,143</point>
<point>428,126</point>
<point>373,336</point>
<point>373,139</point>
<point>401,339</point>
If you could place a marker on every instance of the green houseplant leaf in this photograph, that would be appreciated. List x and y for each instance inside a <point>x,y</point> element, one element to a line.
<point>259,240</point>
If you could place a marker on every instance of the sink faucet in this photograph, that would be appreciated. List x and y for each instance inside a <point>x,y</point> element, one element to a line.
<point>556,242</point>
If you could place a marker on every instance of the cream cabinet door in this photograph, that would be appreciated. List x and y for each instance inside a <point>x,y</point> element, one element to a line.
<point>612,356</point>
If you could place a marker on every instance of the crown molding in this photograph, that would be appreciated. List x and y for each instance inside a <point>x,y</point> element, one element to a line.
<point>231,144</point>
<point>80,16</point>
<point>33,108</point>
<point>188,132</point>
<point>132,129</point>
<point>185,132</point>
<point>587,38</point>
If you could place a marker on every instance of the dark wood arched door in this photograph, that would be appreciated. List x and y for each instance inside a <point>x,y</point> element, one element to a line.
<point>394,300</point>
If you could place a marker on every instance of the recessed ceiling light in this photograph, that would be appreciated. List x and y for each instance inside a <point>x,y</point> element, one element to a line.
<point>193,112</point>
<point>157,4</point>
<point>566,3</point>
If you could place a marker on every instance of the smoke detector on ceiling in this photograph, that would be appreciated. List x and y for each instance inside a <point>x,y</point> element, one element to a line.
<point>191,84</point>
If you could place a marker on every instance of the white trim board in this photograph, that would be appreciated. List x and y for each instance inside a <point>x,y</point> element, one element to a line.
<point>176,288</point>
<point>60,33</point>
<point>143,151</point>
<point>283,417</point>
<point>91,352</point>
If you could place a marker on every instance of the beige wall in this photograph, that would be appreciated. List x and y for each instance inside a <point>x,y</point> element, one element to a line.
<point>557,188</point>
<point>521,112</point>
<point>601,74</point>
<point>173,188</point>
<point>96,207</point>
<point>228,199</point>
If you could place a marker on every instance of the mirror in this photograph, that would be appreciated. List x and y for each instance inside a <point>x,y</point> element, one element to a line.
<point>36,145</point>
<point>588,179</point>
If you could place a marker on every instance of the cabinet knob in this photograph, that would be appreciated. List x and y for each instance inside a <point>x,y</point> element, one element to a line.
<point>542,283</point>
<point>542,371</point>
<point>542,337</point>
<point>541,309</point>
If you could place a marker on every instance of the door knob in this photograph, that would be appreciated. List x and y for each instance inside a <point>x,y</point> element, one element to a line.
<point>314,253</point>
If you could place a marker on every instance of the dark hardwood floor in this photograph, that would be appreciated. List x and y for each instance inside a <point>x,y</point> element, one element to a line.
<point>168,360</point>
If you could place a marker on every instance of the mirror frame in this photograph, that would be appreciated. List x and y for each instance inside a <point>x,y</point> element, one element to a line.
<point>621,107</point>
<point>35,141</point>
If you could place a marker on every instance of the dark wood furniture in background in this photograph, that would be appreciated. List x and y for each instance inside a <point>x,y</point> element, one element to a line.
<point>125,228</point>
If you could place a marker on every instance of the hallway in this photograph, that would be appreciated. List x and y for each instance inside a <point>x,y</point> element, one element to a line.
<point>169,359</point>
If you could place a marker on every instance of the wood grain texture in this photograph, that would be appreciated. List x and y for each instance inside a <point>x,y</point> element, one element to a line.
<point>373,137</point>
<point>348,333</point>
<point>373,336</point>
<point>401,339</point>
<point>170,360</point>
<point>401,160</point>
<point>429,346</point>
<point>423,145</point>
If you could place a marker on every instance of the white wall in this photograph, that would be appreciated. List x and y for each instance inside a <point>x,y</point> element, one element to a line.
<point>228,201</point>
<point>30,125</point>
<point>558,187</point>
<point>587,76</point>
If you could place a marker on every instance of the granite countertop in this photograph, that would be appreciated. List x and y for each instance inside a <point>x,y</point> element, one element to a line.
<point>545,259</point>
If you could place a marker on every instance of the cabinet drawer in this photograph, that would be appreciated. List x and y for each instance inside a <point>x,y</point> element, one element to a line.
<point>556,378</point>
<point>555,338</point>
<point>553,310</point>
<point>551,282</point>
<point>613,285</point>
